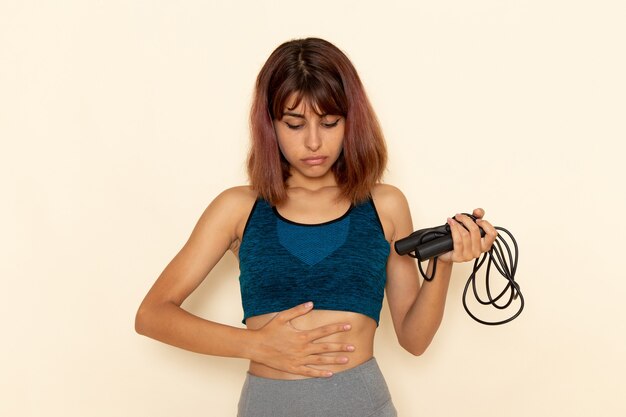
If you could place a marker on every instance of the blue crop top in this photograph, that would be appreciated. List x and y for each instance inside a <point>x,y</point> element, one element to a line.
<point>339,265</point>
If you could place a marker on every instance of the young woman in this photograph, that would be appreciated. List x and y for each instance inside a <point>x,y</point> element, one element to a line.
<point>314,234</point>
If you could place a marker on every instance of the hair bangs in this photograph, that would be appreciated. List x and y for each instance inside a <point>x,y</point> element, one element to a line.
<point>324,94</point>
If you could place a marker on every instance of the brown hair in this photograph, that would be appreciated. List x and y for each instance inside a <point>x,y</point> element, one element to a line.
<point>318,72</point>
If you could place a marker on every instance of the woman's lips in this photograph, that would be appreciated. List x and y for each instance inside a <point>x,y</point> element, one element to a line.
<point>314,160</point>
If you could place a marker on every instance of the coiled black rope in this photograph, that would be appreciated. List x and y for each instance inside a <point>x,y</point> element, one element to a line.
<point>505,265</point>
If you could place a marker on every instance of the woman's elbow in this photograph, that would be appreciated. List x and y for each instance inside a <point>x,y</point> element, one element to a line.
<point>414,347</point>
<point>142,320</point>
<point>415,351</point>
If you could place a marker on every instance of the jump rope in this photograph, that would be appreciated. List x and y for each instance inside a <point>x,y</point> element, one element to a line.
<point>430,243</point>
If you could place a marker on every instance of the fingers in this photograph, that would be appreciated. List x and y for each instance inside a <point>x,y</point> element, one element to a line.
<point>457,235</point>
<point>297,311</point>
<point>310,362</point>
<point>321,360</point>
<point>478,213</point>
<point>319,348</point>
<point>490,234</point>
<point>326,330</point>
<point>314,334</point>
<point>308,366</point>
<point>466,237</point>
<point>311,372</point>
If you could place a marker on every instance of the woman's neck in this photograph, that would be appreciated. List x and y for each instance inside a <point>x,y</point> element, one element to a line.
<point>299,181</point>
<point>305,205</point>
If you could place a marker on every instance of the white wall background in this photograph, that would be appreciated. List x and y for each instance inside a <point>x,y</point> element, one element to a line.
<point>121,120</point>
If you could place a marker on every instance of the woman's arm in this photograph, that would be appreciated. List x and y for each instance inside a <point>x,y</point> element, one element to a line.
<point>417,310</point>
<point>278,344</point>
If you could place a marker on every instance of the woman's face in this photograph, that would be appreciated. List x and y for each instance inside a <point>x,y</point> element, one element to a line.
<point>311,143</point>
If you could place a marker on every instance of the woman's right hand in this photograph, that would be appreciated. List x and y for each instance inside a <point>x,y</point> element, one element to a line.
<point>282,346</point>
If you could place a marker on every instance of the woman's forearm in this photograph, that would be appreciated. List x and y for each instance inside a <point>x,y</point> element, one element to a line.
<point>277,345</point>
<point>173,325</point>
<point>424,317</point>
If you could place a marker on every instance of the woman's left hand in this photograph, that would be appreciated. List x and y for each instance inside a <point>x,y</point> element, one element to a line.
<point>468,244</point>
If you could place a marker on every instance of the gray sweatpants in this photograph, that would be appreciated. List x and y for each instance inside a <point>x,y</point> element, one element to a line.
<point>357,392</point>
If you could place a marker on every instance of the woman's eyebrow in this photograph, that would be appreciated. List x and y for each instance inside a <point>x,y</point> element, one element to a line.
<point>301,116</point>
<point>288,113</point>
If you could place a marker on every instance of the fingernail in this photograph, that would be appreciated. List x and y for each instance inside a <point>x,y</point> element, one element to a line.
<point>308,304</point>
<point>343,360</point>
<point>347,327</point>
<point>328,374</point>
<point>350,348</point>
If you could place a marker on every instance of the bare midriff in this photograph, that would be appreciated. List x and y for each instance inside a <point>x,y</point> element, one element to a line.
<point>361,336</point>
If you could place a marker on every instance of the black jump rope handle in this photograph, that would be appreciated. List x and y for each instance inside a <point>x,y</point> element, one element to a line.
<point>428,243</point>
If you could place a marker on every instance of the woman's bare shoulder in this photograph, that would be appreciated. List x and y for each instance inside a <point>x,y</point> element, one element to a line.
<point>230,209</point>
<point>241,194</point>
<point>234,201</point>
<point>393,210</point>
<point>388,197</point>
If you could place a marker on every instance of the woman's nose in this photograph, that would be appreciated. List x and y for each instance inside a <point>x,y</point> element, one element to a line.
<point>313,140</point>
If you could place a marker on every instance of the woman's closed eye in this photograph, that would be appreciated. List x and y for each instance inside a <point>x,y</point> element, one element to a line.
<point>324,124</point>
<point>331,124</point>
<point>294,127</point>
